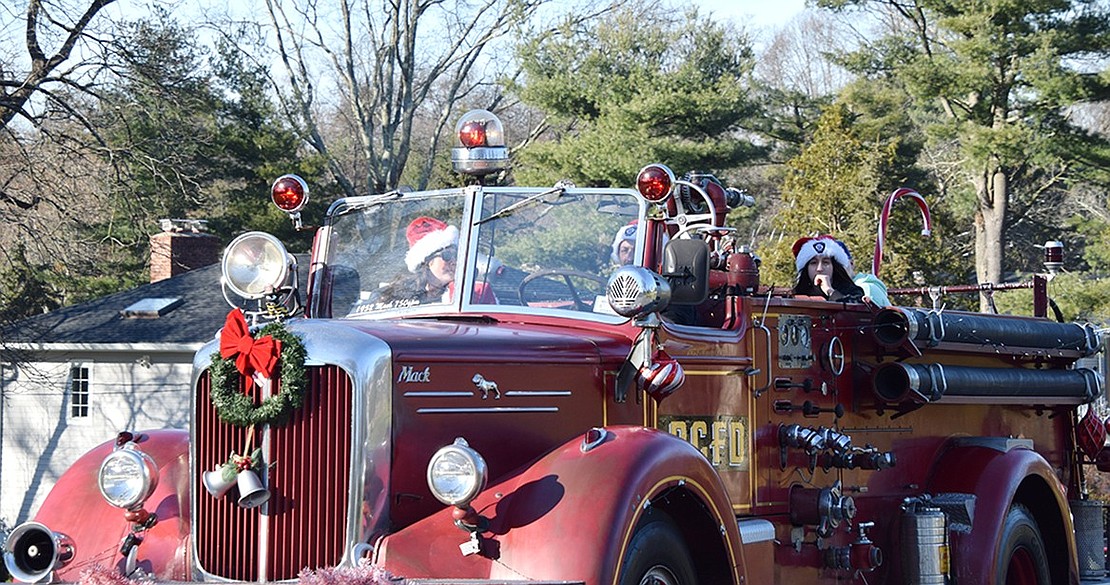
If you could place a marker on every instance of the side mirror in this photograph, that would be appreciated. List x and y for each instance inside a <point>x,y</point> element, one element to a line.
<point>686,268</point>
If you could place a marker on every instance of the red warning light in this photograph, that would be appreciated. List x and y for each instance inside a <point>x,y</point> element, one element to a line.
<point>654,182</point>
<point>473,134</point>
<point>289,193</point>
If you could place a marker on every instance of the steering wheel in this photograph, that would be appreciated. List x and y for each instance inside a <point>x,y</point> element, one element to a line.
<point>567,276</point>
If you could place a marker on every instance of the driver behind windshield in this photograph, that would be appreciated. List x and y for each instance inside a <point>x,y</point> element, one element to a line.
<point>431,261</point>
<point>624,244</point>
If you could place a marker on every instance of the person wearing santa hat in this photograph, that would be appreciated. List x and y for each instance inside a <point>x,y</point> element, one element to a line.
<point>822,264</point>
<point>431,261</point>
<point>433,247</point>
<point>624,244</point>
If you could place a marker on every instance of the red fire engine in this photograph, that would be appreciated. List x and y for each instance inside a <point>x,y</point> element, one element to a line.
<point>477,389</point>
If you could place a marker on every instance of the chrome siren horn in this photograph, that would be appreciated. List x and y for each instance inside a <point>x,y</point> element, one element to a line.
<point>32,552</point>
<point>634,292</point>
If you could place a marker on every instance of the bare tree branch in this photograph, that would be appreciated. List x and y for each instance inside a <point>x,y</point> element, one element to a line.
<point>12,102</point>
<point>392,69</point>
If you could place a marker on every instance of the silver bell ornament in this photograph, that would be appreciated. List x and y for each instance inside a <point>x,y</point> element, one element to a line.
<point>216,483</point>
<point>251,492</point>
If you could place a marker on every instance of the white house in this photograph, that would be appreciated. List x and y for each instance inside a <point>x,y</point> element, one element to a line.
<point>73,378</point>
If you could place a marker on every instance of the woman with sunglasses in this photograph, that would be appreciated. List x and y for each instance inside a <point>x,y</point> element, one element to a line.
<point>431,258</point>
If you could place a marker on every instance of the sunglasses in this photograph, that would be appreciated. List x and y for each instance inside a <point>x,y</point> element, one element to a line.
<point>448,255</point>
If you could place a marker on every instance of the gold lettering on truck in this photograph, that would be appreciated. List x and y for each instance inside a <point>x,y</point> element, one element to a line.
<point>723,440</point>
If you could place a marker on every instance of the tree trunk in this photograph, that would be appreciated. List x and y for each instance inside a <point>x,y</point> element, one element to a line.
<point>992,190</point>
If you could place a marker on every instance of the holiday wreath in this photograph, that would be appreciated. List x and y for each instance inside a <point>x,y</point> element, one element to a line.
<point>259,355</point>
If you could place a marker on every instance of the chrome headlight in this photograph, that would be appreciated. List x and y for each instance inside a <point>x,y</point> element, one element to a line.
<point>456,474</point>
<point>255,264</point>
<point>127,477</point>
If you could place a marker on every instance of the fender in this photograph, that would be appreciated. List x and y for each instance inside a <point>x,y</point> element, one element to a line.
<point>75,507</point>
<point>998,472</point>
<point>569,516</point>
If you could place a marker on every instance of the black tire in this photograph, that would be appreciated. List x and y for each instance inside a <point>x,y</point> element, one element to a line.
<point>1021,556</point>
<point>657,554</point>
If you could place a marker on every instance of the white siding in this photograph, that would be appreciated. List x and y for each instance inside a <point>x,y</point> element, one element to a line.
<point>40,438</point>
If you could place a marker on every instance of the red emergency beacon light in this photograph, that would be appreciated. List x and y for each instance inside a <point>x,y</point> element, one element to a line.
<point>473,134</point>
<point>481,144</point>
<point>289,193</point>
<point>655,182</point>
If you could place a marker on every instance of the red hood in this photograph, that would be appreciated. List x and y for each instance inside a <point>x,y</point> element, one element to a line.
<point>465,341</point>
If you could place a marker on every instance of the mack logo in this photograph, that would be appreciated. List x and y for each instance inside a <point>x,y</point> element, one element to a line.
<point>410,374</point>
<point>722,439</point>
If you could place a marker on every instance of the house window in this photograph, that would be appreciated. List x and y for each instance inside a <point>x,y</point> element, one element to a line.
<point>78,391</point>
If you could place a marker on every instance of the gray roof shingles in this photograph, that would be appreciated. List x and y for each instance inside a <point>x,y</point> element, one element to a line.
<point>196,320</point>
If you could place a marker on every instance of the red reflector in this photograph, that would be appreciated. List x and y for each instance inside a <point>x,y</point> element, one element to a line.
<point>654,182</point>
<point>472,134</point>
<point>289,193</point>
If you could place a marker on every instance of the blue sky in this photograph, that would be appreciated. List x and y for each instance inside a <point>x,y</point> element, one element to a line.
<point>755,13</point>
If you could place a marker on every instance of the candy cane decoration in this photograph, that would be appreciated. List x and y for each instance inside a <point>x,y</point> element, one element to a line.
<point>885,218</point>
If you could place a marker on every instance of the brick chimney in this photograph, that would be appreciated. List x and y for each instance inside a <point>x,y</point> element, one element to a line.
<point>182,245</point>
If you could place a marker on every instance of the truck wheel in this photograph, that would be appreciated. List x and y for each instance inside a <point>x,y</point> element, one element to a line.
<point>1022,559</point>
<point>657,554</point>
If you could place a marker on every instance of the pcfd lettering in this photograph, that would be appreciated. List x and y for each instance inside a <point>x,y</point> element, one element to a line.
<point>723,440</point>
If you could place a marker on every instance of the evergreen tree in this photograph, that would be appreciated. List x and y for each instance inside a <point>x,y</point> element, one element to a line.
<point>628,90</point>
<point>993,87</point>
<point>183,140</point>
<point>837,185</point>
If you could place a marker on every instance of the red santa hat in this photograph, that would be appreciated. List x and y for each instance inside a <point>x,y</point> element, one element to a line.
<point>426,236</point>
<point>806,249</point>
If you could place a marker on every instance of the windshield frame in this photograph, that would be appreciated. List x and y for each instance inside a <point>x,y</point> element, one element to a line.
<point>471,225</point>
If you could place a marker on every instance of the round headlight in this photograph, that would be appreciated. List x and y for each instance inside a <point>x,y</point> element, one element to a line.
<point>127,478</point>
<point>456,474</point>
<point>255,264</point>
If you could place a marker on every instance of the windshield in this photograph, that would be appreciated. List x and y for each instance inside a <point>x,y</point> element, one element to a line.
<point>505,249</point>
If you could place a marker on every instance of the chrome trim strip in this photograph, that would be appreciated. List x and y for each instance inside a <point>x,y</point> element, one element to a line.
<point>264,509</point>
<point>464,394</point>
<point>438,394</point>
<point>494,410</point>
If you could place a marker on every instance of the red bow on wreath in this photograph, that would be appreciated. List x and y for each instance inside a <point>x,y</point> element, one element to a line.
<point>251,355</point>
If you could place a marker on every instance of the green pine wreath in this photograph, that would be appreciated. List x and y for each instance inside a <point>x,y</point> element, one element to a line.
<point>236,408</point>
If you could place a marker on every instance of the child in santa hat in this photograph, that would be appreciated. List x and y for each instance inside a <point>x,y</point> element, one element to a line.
<point>823,264</point>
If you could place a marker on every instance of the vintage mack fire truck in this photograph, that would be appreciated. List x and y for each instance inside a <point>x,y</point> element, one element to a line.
<point>475,388</point>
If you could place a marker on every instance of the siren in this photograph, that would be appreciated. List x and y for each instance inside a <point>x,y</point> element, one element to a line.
<point>32,551</point>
